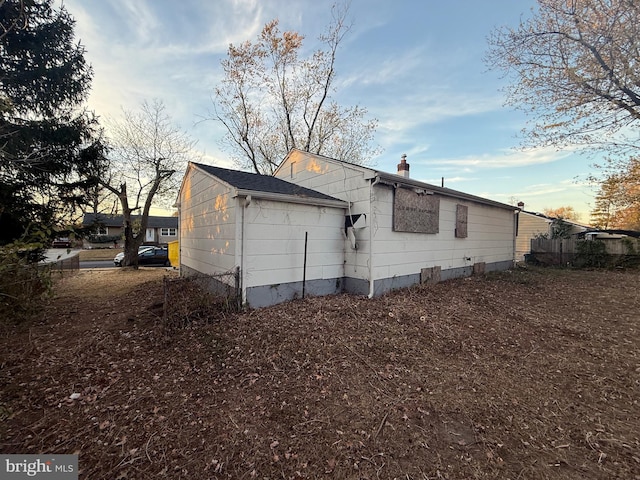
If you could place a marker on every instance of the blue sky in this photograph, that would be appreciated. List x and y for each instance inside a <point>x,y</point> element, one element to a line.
<point>415,65</point>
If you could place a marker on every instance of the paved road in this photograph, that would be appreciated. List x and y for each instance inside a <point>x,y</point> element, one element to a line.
<point>98,264</point>
<point>110,264</point>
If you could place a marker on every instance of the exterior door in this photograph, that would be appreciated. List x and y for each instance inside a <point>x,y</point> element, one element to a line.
<point>150,236</point>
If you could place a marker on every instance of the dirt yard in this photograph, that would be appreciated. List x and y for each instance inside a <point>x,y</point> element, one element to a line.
<point>530,374</point>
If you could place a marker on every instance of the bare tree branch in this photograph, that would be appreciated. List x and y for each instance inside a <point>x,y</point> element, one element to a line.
<point>147,153</point>
<point>271,100</point>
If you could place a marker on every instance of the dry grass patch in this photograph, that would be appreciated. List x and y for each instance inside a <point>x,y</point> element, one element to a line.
<point>99,254</point>
<point>87,285</point>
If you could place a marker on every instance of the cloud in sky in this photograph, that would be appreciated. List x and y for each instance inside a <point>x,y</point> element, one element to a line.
<point>504,159</point>
<point>415,66</point>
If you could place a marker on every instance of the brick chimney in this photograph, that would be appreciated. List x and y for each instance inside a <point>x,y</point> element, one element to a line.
<point>403,167</point>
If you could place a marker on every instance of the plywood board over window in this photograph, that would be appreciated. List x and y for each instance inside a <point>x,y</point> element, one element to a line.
<point>415,212</point>
<point>461,221</point>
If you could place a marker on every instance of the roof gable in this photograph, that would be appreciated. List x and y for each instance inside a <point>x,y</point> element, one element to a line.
<point>261,183</point>
<point>294,153</point>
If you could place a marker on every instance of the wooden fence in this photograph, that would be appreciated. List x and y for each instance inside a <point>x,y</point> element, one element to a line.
<point>561,251</point>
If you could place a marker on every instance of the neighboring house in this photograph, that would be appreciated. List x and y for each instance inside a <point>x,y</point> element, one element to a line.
<point>608,234</point>
<point>160,230</point>
<point>324,226</point>
<point>532,225</point>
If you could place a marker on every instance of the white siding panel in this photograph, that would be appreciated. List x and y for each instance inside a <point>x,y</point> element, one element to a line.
<point>275,240</point>
<point>337,179</point>
<point>343,181</point>
<point>490,239</point>
<point>207,224</point>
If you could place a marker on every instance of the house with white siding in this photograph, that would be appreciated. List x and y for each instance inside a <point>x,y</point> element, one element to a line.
<point>320,226</point>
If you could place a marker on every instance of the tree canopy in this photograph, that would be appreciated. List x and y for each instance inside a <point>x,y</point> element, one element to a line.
<point>272,100</point>
<point>565,213</point>
<point>47,142</point>
<point>574,68</point>
<point>617,202</point>
<point>146,154</point>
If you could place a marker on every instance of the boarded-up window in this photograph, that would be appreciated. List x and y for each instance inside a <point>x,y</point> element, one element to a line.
<point>414,212</point>
<point>461,221</point>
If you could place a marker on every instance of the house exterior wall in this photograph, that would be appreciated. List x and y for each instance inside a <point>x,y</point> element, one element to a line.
<point>265,236</point>
<point>207,224</point>
<point>345,182</point>
<point>274,251</point>
<point>399,257</point>
<point>394,259</point>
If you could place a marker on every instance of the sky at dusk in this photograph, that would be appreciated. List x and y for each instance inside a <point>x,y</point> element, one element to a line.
<point>415,65</point>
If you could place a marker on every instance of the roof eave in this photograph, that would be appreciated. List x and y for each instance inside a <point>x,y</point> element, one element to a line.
<point>398,180</point>
<point>280,197</point>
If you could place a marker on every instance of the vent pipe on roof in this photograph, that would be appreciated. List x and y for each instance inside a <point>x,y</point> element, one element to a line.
<point>403,166</point>
<point>521,205</point>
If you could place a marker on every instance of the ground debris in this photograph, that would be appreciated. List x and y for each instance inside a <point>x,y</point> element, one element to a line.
<point>524,374</point>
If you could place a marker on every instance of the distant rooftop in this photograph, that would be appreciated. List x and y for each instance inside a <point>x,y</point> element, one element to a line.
<point>118,220</point>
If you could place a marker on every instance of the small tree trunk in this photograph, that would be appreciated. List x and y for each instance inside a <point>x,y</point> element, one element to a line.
<point>130,246</point>
<point>131,243</point>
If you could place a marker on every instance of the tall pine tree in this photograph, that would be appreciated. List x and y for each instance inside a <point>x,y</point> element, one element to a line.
<point>47,141</point>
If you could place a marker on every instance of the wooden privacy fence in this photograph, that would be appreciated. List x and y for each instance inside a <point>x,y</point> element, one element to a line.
<point>572,251</point>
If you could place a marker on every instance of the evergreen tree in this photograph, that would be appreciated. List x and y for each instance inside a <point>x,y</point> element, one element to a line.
<point>47,142</point>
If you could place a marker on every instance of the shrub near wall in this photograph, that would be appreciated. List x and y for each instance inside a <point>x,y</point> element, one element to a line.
<point>591,253</point>
<point>621,252</point>
<point>102,241</point>
<point>595,253</point>
<point>24,286</point>
<point>103,238</point>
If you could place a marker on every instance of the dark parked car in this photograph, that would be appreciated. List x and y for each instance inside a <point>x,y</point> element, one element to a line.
<point>148,256</point>
<point>61,242</point>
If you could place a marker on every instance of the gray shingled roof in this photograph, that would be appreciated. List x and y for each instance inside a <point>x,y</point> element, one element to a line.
<point>118,220</point>
<point>261,183</point>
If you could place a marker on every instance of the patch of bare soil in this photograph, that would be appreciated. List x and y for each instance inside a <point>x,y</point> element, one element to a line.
<point>529,374</point>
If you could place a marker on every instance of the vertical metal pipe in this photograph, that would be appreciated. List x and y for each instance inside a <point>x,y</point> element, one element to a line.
<point>304,268</point>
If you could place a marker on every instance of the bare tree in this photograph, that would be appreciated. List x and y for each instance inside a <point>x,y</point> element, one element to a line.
<point>271,100</point>
<point>574,65</point>
<point>147,154</point>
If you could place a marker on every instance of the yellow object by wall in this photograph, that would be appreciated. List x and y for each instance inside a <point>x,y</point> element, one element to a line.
<point>174,254</point>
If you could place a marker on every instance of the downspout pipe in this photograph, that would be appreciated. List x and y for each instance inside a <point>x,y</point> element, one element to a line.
<point>516,226</point>
<point>245,203</point>
<point>371,197</point>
